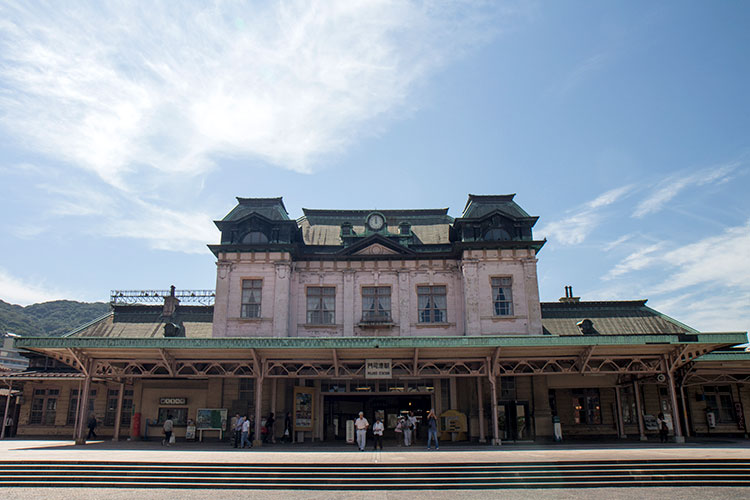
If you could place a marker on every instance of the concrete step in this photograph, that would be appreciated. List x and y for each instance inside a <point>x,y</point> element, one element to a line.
<point>377,476</point>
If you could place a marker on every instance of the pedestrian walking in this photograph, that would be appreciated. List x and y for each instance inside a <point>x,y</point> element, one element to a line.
<point>377,433</point>
<point>432,429</point>
<point>92,423</point>
<point>168,426</point>
<point>269,429</point>
<point>245,433</point>
<point>361,425</point>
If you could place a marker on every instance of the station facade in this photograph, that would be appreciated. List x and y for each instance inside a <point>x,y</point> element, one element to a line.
<point>386,312</point>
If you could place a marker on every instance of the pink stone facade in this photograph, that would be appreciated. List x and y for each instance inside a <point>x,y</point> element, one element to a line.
<point>468,282</point>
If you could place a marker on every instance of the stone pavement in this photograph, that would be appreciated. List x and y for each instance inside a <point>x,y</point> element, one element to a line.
<point>216,452</point>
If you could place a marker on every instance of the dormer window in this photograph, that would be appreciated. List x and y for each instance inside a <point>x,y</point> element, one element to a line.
<point>404,229</point>
<point>255,238</point>
<point>346,229</point>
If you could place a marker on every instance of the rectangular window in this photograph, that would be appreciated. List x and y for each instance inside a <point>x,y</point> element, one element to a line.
<point>321,305</point>
<point>508,388</point>
<point>502,296</point>
<point>247,390</point>
<point>432,304</point>
<point>719,400</point>
<point>586,406</point>
<point>376,303</point>
<point>73,404</point>
<point>627,398</point>
<point>44,406</point>
<point>179,415</point>
<point>127,407</point>
<point>251,292</point>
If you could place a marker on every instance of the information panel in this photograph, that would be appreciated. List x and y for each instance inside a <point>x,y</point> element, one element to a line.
<point>304,398</point>
<point>211,418</point>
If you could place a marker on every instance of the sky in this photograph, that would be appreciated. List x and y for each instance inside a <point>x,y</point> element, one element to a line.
<point>126,128</point>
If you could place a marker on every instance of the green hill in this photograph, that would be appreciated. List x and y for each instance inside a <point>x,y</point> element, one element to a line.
<point>48,319</point>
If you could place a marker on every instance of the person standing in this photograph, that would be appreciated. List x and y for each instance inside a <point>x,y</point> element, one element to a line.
<point>407,427</point>
<point>168,426</point>
<point>399,430</point>
<point>413,421</point>
<point>92,427</point>
<point>663,428</point>
<point>237,428</point>
<point>432,429</point>
<point>361,425</point>
<point>288,427</point>
<point>377,432</point>
<point>245,433</point>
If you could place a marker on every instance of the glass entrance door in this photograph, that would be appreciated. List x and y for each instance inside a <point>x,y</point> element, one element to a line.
<point>513,421</point>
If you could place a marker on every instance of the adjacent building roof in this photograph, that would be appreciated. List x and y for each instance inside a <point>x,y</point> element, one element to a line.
<point>631,317</point>
<point>147,321</point>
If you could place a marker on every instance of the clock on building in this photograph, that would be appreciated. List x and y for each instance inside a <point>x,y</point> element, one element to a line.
<point>375,221</point>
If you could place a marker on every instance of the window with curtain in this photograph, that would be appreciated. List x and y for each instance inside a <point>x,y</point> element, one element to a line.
<point>502,296</point>
<point>376,303</point>
<point>251,294</point>
<point>432,304</point>
<point>44,406</point>
<point>321,305</point>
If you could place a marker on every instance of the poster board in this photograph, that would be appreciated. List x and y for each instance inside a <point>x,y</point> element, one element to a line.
<point>304,406</point>
<point>211,419</point>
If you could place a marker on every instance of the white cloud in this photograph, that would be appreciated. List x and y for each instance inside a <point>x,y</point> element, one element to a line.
<point>672,186</point>
<point>581,221</point>
<point>119,88</point>
<point>24,292</point>
<point>637,260</point>
<point>705,284</point>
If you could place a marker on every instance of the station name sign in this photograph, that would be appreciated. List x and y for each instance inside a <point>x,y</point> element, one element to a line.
<point>378,368</point>
<point>172,401</point>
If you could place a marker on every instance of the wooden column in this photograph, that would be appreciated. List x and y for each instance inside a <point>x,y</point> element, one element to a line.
<point>620,423</point>
<point>83,403</point>
<point>637,396</point>
<point>438,388</point>
<point>676,420</point>
<point>685,410</point>
<point>78,412</point>
<point>7,407</point>
<point>453,394</point>
<point>493,394</point>
<point>273,408</point>
<point>118,415</point>
<point>480,413</point>
<point>258,401</point>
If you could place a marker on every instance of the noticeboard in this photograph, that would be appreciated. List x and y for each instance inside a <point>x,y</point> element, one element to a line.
<point>211,418</point>
<point>304,398</point>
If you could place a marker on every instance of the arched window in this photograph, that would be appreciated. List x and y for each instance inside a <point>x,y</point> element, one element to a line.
<point>255,237</point>
<point>496,234</point>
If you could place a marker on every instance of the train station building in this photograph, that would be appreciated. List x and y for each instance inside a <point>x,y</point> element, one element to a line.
<point>386,312</point>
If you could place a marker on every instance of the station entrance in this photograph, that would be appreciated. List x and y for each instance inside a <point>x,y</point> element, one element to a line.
<point>338,408</point>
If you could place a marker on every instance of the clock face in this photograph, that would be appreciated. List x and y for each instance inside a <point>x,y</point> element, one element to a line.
<point>376,221</point>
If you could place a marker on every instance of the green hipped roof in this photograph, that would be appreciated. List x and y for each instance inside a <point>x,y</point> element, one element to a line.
<point>373,342</point>
<point>478,206</point>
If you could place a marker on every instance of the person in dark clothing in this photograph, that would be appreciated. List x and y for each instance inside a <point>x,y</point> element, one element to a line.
<point>288,427</point>
<point>92,427</point>
<point>663,428</point>
<point>269,429</point>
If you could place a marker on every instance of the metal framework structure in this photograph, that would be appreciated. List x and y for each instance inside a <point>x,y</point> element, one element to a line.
<point>129,297</point>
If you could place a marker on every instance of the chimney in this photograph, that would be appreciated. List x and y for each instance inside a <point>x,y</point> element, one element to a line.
<point>569,295</point>
<point>170,304</point>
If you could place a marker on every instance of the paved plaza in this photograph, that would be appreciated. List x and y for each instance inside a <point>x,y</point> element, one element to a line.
<point>219,452</point>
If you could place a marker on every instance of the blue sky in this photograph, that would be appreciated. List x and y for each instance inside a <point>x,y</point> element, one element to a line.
<point>126,128</point>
